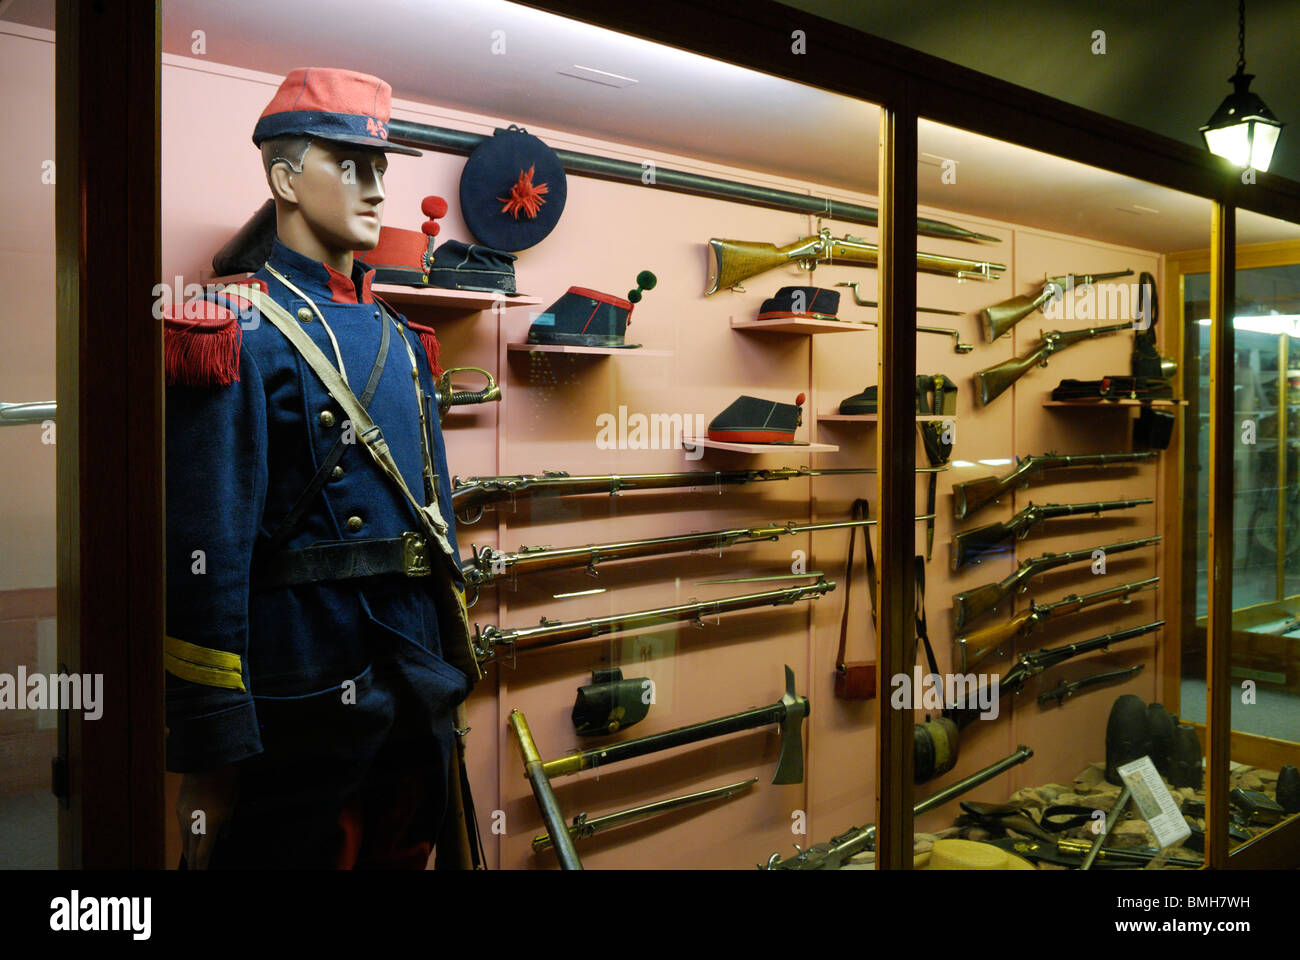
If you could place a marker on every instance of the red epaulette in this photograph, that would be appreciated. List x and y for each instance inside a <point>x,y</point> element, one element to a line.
<point>428,340</point>
<point>201,343</point>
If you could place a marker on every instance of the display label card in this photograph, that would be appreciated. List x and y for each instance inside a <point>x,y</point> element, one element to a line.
<point>1154,802</point>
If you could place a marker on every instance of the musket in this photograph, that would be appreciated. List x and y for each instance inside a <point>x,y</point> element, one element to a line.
<point>995,380</point>
<point>970,649</point>
<point>970,495</point>
<point>470,495</point>
<point>970,546</point>
<point>1068,688</point>
<point>550,632</point>
<point>1030,665</point>
<point>543,793</point>
<point>971,604</point>
<point>582,827</point>
<point>788,713</point>
<point>487,565</point>
<point>1071,853</point>
<point>832,854</point>
<point>1001,317</point>
<point>733,261</point>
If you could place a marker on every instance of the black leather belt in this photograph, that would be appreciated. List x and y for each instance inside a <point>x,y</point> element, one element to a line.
<point>345,560</point>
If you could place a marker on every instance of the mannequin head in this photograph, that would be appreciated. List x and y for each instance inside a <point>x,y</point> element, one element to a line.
<point>329,196</point>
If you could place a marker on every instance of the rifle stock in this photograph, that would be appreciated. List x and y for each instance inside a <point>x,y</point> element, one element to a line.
<point>1001,317</point>
<point>995,380</point>
<point>974,647</point>
<point>974,603</point>
<point>969,496</point>
<point>734,261</point>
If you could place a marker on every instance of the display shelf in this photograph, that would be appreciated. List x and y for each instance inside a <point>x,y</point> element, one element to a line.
<point>1126,402</point>
<point>691,443</point>
<point>591,351</point>
<point>875,417</point>
<point>466,300</point>
<point>800,326</point>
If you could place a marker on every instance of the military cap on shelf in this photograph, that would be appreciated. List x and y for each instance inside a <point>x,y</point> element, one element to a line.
<point>860,403</point>
<point>751,420</point>
<point>801,303</point>
<point>589,318</point>
<point>405,256</point>
<point>472,266</point>
<point>512,190</point>
<point>341,106</point>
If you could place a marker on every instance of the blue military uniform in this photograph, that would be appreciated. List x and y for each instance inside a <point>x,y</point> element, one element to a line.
<point>316,678</point>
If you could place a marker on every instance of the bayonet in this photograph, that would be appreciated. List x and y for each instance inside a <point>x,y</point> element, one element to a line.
<point>583,827</point>
<point>1068,688</point>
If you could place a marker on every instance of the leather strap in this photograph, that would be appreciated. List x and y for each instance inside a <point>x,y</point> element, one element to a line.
<point>344,560</point>
<point>858,511</point>
<point>922,632</point>
<point>1065,816</point>
<point>291,519</point>
<point>430,516</point>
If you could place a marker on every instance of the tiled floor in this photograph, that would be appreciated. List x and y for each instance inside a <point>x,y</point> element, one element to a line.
<point>29,831</point>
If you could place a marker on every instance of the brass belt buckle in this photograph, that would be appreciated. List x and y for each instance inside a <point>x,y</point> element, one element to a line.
<point>415,559</point>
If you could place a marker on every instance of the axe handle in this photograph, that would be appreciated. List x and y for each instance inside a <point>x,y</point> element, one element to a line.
<point>545,796</point>
<point>601,756</point>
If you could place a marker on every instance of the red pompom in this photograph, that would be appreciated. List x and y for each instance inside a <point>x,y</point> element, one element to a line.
<point>431,227</point>
<point>798,401</point>
<point>434,207</point>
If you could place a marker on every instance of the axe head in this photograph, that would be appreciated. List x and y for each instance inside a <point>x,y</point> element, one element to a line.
<point>789,766</point>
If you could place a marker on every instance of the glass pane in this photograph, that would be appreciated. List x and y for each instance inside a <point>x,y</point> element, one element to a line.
<point>1058,524</point>
<point>28,736</point>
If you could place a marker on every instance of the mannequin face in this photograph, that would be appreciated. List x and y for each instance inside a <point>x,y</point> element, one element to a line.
<point>336,203</point>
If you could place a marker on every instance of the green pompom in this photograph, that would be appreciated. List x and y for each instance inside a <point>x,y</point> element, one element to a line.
<point>634,296</point>
<point>646,280</point>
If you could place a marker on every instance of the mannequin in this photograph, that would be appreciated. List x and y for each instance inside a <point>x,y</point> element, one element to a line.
<point>312,610</point>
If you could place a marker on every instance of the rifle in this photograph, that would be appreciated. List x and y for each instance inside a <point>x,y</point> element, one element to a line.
<point>1001,317</point>
<point>733,261</point>
<point>487,565</point>
<point>994,381</point>
<point>1068,688</point>
<point>551,632</point>
<point>832,854</point>
<point>1030,665</point>
<point>1072,853</point>
<point>969,496</point>
<point>971,604</point>
<point>470,495</point>
<point>972,648</point>
<point>968,546</point>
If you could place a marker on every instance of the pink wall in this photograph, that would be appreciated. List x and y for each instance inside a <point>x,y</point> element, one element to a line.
<point>212,181</point>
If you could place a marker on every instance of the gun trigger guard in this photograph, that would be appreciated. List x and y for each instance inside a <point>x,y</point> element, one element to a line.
<point>468,519</point>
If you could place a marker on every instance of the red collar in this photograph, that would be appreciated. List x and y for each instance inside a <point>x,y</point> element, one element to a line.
<point>344,290</point>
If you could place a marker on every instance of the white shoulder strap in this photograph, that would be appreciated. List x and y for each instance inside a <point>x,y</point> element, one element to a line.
<point>370,434</point>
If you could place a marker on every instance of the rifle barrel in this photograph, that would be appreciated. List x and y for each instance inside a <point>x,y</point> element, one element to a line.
<point>550,634</point>
<point>970,495</point>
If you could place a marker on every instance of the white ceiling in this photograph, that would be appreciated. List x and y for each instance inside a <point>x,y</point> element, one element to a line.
<point>441,52</point>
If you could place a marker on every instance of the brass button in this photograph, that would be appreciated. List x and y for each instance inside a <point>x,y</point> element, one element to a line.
<point>336,473</point>
<point>326,418</point>
<point>355,524</point>
<point>304,314</point>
